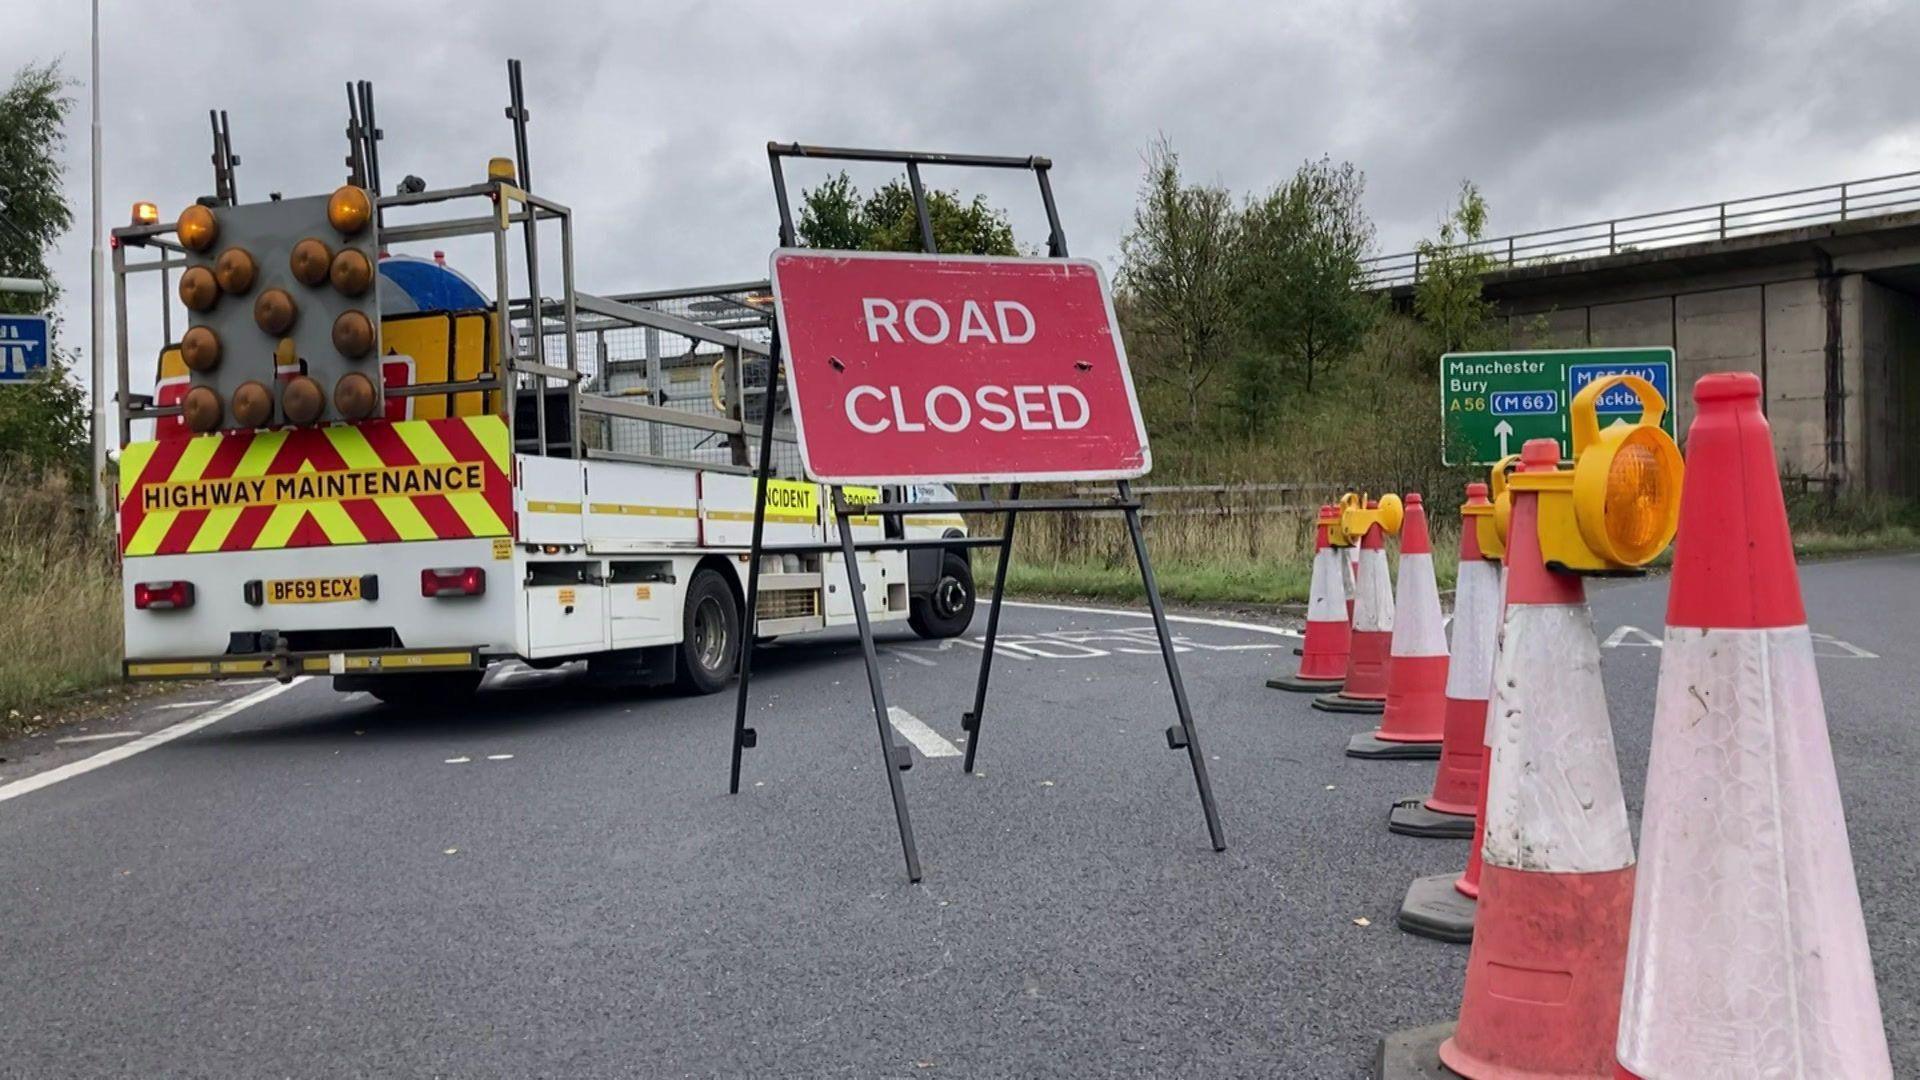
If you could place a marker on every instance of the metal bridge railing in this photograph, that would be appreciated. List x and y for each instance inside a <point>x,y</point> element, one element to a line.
<point>1756,214</point>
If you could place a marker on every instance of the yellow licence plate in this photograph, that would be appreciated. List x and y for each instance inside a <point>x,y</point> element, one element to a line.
<point>317,590</point>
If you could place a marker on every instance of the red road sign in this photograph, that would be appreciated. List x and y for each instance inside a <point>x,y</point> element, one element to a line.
<point>905,368</point>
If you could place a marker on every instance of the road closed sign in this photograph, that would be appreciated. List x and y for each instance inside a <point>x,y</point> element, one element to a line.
<point>906,368</point>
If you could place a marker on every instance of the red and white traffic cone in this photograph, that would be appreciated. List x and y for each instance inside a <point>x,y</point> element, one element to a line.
<point>1414,720</point>
<point>1365,689</point>
<point>1350,574</point>
<point>1450,810</point>
<point>1443,906</point>
<point>1323,653</point>
<point>1749,953</point>
<point>1542,994</point>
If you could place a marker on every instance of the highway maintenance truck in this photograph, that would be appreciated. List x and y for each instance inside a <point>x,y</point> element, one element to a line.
<point>355,463</point>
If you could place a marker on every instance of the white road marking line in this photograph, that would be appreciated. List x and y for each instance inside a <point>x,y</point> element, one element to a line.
<point>1277,631</point>
<point>924,739</point>
<point>102,737</point>
<point>499,757</point>
<point>188,704</point>
<point>921,660</point>
<point>1846,648</point>
<point>458,760</point>
<point>144,743</point>
<point>1622,637</point>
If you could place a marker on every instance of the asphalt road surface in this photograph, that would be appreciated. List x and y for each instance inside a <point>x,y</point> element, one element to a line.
<point>553,882</point>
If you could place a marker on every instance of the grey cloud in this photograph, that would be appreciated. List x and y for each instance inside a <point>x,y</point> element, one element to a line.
<point>650,119</point>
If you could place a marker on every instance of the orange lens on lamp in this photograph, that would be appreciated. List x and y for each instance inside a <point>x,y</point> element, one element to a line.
<point>349,210</point>
<point>197,228</point>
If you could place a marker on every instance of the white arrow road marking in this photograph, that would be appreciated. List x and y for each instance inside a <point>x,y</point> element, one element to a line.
<point>1632,637</point>
<point>1622,637</point>
<point>904,655</point>
<point>144,743</point>
<point>1277,631</point>
<point>1847,648</point>
<point>924,739</point>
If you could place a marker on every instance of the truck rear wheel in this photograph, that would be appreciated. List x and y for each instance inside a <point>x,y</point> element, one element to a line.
<point>946,611</point>
<point>709,634</point>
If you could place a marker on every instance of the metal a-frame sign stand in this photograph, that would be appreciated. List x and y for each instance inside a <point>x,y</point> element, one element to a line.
<point>898,756</point>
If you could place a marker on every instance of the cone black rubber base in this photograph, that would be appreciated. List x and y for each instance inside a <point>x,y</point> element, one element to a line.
<point>1367,745</point>
<point>1414,1054</point>
<point>1299,685</point>
<point>1341,703</point>
<point>1410,817</point>
<point>1435,909</point>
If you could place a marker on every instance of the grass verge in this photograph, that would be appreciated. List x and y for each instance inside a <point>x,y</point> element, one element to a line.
<point>1202,583</point>
<point>59,601</point>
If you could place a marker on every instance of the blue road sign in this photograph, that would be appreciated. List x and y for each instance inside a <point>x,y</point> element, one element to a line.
<point>24,341</point>
<point>1620,401</point>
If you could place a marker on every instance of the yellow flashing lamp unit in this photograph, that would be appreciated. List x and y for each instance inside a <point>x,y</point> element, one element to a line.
<point>1356,517</point>
<point>1618,507</point>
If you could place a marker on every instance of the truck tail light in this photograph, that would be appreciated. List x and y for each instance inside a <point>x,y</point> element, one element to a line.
<point>162,595</point>
<point>453,581</point>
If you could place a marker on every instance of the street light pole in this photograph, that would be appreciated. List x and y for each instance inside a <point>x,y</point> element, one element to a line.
<point>98,352</point>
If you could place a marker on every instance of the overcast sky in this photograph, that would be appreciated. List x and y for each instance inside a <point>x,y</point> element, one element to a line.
<point>650,118</point>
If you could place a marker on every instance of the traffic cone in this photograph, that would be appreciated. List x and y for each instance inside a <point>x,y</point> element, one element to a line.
<point>1350,574</point>
<point>1542,994</point>
<point>1450,810</point>
<point>1365,689</point>
<point>1748,954</point>
<point>1323,654</point>
<point>1443,906</point>
<point>1414,721</point>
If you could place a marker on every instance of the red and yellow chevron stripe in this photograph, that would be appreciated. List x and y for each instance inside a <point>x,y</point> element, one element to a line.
<point>309,487</point>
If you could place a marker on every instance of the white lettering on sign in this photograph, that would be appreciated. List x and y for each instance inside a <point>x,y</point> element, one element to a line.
<point>914,308</point>
<point>949,409</point>
<point>930,324</point>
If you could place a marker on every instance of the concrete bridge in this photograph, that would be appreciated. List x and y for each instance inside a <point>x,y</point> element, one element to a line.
<point>1817,291</point>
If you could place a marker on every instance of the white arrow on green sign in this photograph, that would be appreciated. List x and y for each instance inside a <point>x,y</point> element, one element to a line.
<point>1493,402</point>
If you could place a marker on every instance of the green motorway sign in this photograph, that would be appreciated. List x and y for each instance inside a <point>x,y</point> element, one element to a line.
<point>1493,402</point>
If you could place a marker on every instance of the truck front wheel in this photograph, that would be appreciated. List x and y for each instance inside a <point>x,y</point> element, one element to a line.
<point>710,634</point>
<point>947,610</point>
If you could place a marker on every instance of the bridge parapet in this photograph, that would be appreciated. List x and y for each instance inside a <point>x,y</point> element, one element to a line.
<point>1816,290</point>
<point>1729,219</point>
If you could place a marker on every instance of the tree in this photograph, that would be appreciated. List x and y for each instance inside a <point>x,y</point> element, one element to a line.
<point>1306,303</point>
<point>834,215</point>
<point>830,216</point>
<point>1447,297</point>
<point>1179,273</point>
<point>43,424</point>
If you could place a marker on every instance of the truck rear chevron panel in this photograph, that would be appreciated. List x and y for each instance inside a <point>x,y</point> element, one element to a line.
<point>310,487</point>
